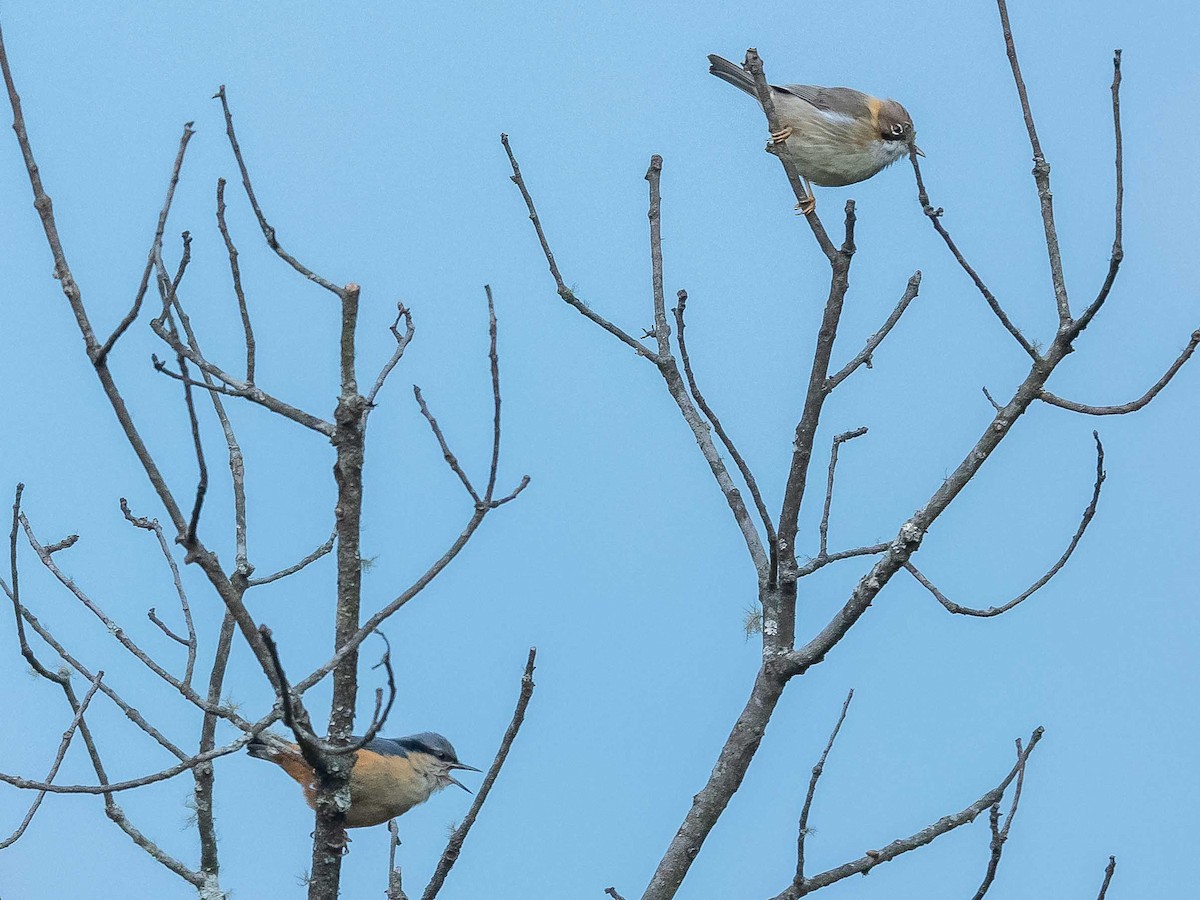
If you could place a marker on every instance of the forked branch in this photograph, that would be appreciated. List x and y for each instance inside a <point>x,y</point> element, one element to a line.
<point>1088,514</point>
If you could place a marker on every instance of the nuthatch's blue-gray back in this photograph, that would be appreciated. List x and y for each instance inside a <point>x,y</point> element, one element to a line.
<point>389,778</point>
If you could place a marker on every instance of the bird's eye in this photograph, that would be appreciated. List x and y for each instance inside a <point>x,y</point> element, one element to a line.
<point>898,129</point>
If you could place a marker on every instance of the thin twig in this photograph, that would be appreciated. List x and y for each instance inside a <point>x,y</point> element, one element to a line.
<point>865,356</point>
<point>296,718</point>
<point>117,632</point>
<point>1041,174</point>
<point>935,219</point>
<point>58,760</point>
<point>833,456</point>
<point>454,846</point>
<point>563,291</point>
<point>198,445</point>
<point>190,641</point>
<point>1000,835</point>
<point>155,249</point>
<point>402,342</point>
<point>1108,875</point>
<point>1088,513</point>
<point>1133,405</point>
<point>152,615</point>
<point>267,229</point>
<point>818,769</point>
<point>236,272</point>
<point>322,550</point>
<point>1118,249</point>
<point>183,765</point>
<point>710,414</point>
<point>676,387</point>
<point>819,562</point>
<point>896,848</point>
<point>395,888</point>
<point>130,712</point>
<point>612,892</point>
<point>14,594</point>
<point>494,365</point>
<point>237,469</point>
<point>233,386</point>
<point>447,453</point>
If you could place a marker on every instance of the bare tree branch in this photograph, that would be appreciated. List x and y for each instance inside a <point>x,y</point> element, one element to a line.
<point>873,858</point>
<point>1108,875</point>
<point>454,846</point>
<point>235,387</point>
<point>710,414</point>
<point>1133,405</point>
<point>155,250</point>
<point>395,889</point>
<point>865,356</point>
<point>935,219</point>
<point>58,759</point>
<point>267,229</point>
<point>1088,513</point>
<point>833,455</point>
<point>818,769</point>
<point>190,642</point>
<point>563,291</point>
<point>447,453</point>
<point>117,632</point>
<point>236,272</point>
<point>1041,174</point>
<point>1000,835</point>
<point>296,567</point>
<point>402,342</point>
<point>494,365</point>
<point>184,765</point>
<point>819,562</point>
<point>1118,250</point>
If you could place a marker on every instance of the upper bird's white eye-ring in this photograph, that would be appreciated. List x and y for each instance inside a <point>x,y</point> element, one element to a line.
<point>897,129</point>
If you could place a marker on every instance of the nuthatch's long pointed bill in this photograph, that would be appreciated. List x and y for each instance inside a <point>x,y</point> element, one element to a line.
<point>917,150</point>
<point>454,780</point>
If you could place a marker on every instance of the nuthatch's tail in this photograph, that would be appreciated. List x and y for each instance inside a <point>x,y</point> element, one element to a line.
<point>732,73</point>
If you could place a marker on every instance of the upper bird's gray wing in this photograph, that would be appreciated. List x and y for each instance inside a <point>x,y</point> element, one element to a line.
<point>841,101</point>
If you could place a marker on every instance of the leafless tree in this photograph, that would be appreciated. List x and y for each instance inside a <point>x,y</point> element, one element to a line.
<point>772,541</point>
<point>331,756</point>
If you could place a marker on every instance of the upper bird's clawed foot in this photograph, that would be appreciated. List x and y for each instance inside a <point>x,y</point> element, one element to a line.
<point>782,134</point>
<point>807,205</point>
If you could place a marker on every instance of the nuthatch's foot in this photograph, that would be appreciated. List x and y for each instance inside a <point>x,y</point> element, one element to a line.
<point>807,205</point>
<point>782,134</point>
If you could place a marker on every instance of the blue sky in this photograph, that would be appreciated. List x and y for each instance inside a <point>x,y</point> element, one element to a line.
<point>372,132</point>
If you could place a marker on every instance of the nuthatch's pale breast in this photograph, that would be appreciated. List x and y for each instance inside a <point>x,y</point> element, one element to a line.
<point>389,778</point>
<point>834,136</point>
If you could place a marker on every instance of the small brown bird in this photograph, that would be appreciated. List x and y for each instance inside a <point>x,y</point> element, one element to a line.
<point>389,778</point>
<point>834,136</point>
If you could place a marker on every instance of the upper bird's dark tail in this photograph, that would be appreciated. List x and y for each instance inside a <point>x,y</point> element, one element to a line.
<point>732,73</point>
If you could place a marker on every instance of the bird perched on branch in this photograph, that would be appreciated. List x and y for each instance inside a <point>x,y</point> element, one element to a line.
<point>833,136</point>
<point>389,778</point>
